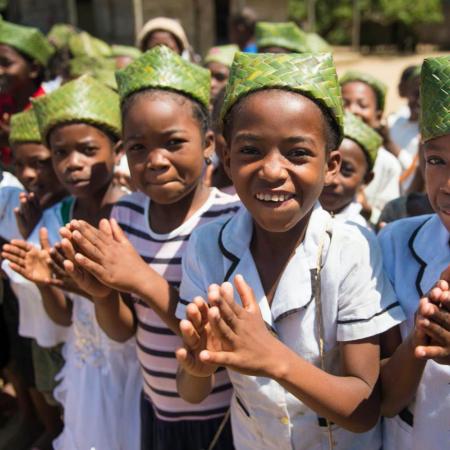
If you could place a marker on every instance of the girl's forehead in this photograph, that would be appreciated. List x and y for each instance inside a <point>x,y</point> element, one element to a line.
<point>77,131</point>
<point>360,89</point>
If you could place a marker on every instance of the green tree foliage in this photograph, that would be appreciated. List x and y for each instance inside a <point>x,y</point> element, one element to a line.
<point>334,17</point>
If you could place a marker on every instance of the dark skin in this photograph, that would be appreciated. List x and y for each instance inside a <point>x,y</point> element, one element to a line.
<point>17,79</point>
<point>353,176</point>
<point>34,169</point>
<point>165,150</point>
<point>277,160</point>
<point>83,159</point>
<point>219,77</point>
<point>161,37</point>
<point>274,49</point>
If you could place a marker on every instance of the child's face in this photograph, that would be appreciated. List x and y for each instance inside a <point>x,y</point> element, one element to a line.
<point>437,176</point>
<point>352,175</point>
<point>360,99</point>
<point>164,146</point>
<point>34,169</point>
<point>276,157</point>
<point>83,158</point>
<point>219,77</point>
<point>15,71</point>
<point>413,95</point>
<point>161,37</point>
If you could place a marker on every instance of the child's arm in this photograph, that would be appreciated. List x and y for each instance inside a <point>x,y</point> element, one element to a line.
<point>248,347</point>
<point>430,339</point>
<point>34,265</point>
<point>109,256</point>
<point>113,314</point>
<point>28,213</point>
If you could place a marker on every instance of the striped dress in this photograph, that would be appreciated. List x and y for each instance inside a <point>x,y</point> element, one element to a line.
<point>156,343</point>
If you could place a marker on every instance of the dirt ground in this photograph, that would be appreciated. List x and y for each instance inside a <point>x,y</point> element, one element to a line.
<point>387,68</point>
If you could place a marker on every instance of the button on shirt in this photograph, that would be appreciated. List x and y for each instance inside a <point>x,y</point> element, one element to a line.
<point>357,302</point>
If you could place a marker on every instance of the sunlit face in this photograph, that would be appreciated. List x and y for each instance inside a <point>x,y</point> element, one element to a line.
<point>83,157</point>
<point>437,176</point>
<point>352,175</point>
<point>161,37</point>
<point>219,77</point>
<point>164,146</point>
<point>276,157</point>
<point>33,164</point>
<point>15,71</point>
<point>360,99</point>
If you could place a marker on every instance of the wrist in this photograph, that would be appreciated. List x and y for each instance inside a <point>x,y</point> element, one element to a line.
<point>276,365</point>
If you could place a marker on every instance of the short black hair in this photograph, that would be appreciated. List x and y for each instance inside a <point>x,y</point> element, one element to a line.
<point>246,18</point>
<point>333,134</point>
<point>199,112</point>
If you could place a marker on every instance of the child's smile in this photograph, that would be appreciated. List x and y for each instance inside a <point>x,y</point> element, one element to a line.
<point>277,158</point>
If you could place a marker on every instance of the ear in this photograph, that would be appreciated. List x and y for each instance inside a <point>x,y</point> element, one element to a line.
<point>209,144</point>
<point>379,115</point>
<point>368,177</point>
<point>35,70</point>
<point>119,151</point>
<point>332,166</point>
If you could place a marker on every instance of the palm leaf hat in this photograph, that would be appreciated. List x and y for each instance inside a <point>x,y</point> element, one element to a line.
<point>24,128</point>
<point>435,97</point>
<point>378,86</point>
<point>312,75</point>
<point>281,34</point>
<point>366,137</point>
<point>27,40</point>
<point>223,54</point>
<point>161,68</point>
<point>84,100</point>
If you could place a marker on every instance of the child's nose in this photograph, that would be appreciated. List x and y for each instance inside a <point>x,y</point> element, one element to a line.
<point>157,161</point>
<point>273,168</point>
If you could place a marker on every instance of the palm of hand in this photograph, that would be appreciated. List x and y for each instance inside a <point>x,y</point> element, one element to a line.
<point>37,266</point>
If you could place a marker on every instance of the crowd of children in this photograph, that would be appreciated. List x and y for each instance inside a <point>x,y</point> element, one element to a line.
<point>189,249</point>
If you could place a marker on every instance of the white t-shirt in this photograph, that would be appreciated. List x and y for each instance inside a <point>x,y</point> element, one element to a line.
<point>357,302</point>
<point>385,185</point>
<point>351,214</point>
<point>416,250</point>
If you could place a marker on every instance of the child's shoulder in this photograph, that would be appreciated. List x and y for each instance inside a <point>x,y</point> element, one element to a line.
<point>402,229</point>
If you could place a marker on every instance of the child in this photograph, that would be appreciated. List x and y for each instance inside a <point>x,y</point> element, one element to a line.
<point>415,380</point>
<point>404,130</point>
<point>283,37</point>
<point>358,155</point>
<point>20,212</point>
<point>364,96</point>
<point>80,122</point>
<point>166,139</point>
<point>218,61</point>
<point>318,284</point>
<point>24,54</point>
<point>241,29</point>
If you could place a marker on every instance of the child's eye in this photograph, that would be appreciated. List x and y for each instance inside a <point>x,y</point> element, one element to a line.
<point>89,151</point>
<point>347,170</point>
<point>249,150</point>
<point>60,152</point>
<point>175,143</point>
<point>298,153</point>
<point>434,161</point>
<point>135,148</point>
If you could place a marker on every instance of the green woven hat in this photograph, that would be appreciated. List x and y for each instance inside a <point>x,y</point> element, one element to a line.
<point>366,137</point>
<point>308,74</point>
<point>161,68</point>
<point>83,100</point>
<point>125,50</point>
<point>283,34</point>
<point>102,69</point>
<point>83,44</point>
<point>60,33</point>
<point>24,127</point>
<point>222,54</point>
<point>317,44</point>
<point>435,97</point>
<point>27,40</point>
<point>378,86</point>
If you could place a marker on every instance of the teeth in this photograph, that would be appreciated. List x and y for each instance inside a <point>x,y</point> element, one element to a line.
<point>273,197</point>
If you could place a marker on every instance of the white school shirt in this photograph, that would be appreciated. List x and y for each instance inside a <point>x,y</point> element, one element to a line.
<point>357,300</point>
<point>8,179</point>
<point>416,250</point>
<point>33,320</point>
<point>351,214</point>
<point>385,185</point>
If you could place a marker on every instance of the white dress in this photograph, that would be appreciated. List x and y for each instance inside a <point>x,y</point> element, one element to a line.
<point>100,383</point>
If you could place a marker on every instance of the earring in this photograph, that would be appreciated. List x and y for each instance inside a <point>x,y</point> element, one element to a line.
<point>208,161</point>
